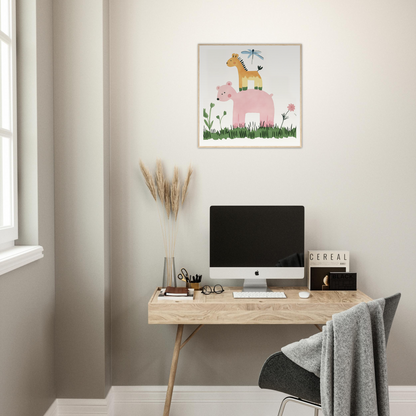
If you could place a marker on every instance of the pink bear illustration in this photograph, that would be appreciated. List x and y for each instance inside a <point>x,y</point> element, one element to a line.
<point>249,101</point>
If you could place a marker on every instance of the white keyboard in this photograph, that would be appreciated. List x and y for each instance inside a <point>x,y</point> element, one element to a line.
<point>259,295</point>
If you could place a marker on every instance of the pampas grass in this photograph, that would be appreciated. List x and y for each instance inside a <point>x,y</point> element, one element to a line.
<point>160,179</point>
<point>174,193</point>
<point>166,200</point>
<point>170,200</point>
<point>186,183</point>
<point>148,179</point>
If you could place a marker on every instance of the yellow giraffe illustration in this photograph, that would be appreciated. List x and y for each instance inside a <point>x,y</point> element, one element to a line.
<point>244,75</point>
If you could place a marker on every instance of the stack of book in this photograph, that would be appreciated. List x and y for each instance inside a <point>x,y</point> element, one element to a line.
<point>322,263</point>
<point>176,293</point>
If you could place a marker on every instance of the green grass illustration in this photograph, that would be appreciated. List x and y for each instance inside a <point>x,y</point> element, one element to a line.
<point>251,131</point>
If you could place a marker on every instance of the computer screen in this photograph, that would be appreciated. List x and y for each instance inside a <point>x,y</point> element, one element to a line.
<point>256,242</point>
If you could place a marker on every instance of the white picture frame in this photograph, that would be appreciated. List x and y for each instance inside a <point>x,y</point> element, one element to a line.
<point>249,95</point>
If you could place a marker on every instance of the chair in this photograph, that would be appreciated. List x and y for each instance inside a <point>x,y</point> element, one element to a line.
<point>281,374</point>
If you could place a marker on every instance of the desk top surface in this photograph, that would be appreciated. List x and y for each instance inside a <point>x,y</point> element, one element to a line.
<point>218,309</point>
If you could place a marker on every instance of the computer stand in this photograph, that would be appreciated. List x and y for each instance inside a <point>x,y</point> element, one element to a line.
<point>255,285</point>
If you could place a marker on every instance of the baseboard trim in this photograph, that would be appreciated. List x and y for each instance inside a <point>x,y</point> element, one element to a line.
<point>202,400</point>
<point>83,407</point>
<point>402,394</point>
<point>189,394</point>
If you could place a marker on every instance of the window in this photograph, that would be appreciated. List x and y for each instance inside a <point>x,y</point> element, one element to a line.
<point>8,145</point>
<point>11,256</point>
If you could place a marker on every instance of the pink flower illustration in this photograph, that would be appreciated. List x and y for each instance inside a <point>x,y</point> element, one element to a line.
<point>290,107</point>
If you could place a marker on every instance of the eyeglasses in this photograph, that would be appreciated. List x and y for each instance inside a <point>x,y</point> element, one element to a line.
<point>207,290</point>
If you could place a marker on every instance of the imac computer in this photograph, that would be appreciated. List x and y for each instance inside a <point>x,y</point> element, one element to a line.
<point>256,242</point>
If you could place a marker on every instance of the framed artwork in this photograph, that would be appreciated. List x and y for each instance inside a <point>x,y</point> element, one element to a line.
<point>249,95</point>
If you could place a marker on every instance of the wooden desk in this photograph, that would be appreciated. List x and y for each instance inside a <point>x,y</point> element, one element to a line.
<point>223,309</point>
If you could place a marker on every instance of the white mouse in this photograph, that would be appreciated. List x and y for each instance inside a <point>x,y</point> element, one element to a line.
<point>304,295</point>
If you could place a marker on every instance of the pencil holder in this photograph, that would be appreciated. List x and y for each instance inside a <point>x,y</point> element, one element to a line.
<point>195,286</point>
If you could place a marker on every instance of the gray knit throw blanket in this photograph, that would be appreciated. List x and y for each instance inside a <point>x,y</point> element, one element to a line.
<point>349,356</point>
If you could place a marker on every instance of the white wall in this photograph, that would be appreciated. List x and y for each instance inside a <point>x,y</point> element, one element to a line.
<point>355,174</point>
<point>27,294</point>
<point>81,132</point>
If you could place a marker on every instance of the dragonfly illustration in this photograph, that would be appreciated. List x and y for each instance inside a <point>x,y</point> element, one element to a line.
<point>251,53</point>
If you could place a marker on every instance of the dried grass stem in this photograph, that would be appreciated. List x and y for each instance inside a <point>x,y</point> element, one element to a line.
<point>171,199</point>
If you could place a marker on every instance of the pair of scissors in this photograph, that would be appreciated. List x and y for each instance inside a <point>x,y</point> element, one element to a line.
<point>183,275</point>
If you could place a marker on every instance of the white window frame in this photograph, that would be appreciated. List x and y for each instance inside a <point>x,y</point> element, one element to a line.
<point>11,256</point>
<point>9,232</point>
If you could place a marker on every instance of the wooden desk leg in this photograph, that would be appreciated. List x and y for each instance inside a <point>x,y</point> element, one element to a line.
<point>173,368</point>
